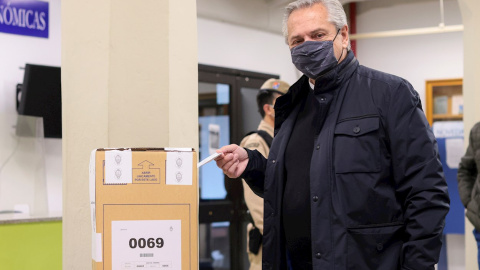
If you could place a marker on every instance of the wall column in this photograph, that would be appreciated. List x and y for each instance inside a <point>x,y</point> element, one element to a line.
<point>471,95</point>
<point>129,79</point>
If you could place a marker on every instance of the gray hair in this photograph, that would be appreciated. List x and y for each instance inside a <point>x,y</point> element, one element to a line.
<point>336,14</point>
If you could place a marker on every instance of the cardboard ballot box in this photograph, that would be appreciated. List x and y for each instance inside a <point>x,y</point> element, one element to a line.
<point>144,208</point>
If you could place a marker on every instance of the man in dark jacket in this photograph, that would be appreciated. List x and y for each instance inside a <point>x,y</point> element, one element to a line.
<point>353,179</point>
<point>469,182</point>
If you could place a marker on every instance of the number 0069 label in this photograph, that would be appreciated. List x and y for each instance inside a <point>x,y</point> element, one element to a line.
<point>151,244</point>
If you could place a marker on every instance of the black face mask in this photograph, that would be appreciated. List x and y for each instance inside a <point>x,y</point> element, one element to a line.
<point>314,58</point>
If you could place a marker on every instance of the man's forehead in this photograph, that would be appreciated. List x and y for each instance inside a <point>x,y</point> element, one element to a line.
<point>309,19</point>
<point>315,13</point>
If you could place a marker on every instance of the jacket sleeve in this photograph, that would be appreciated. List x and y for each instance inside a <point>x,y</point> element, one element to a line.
<point>420,184</point>
<point>467,172</point>
<point>254,173</point>
<point>253,201</point>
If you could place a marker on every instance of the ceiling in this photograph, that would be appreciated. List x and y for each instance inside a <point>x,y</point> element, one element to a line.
<point>265,15</point>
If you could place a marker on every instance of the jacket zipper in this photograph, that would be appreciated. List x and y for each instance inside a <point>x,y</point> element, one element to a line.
<point>358,117</point>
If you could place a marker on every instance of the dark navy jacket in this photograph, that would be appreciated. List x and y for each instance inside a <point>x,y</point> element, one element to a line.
<point>377,189</point>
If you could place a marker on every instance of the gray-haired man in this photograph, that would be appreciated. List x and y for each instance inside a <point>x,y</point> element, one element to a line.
<point>353,179</point>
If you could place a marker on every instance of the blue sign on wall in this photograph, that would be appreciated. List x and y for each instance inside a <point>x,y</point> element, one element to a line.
<point>24,17</point>
<point>449,136</point>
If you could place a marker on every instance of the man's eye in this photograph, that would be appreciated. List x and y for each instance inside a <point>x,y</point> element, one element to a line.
<point>319,35</point>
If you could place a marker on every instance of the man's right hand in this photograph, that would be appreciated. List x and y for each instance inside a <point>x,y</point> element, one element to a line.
<point>233,161</point>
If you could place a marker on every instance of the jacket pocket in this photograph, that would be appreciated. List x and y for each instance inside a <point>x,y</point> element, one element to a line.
<point>472,213</point>
<point>357,145</point>
<point>376,247</point>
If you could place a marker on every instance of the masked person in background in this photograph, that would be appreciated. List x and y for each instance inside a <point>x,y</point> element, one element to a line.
<point>260,140</point>
<point>353,179</point>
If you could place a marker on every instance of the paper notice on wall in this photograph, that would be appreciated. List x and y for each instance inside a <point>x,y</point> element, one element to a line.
<point>118,167</point>
<point>213,138</point>
<point>448,129</point>
<point>454,151</point>
<point>440,105</point>
<point>457,104</point>
<point>146,244</point>
<point>179,168</point>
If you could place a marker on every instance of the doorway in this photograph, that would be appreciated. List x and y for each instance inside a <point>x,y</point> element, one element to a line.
<point>224,109</point>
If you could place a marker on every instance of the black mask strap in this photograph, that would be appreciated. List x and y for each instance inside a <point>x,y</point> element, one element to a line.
<point>336,35</point>
<point>342,48</point>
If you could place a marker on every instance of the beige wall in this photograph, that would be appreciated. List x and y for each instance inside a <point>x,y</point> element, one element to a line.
<point>129,79</point>
<point>471,94</point>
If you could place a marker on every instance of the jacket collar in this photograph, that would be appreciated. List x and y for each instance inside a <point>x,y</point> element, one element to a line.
<point>337,76</point>
<point>331,80</point>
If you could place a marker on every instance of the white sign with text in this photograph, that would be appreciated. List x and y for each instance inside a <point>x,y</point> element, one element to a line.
<point>151,244</point>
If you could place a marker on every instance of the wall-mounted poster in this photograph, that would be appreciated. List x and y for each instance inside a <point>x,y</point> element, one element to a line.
<point>26,18</point>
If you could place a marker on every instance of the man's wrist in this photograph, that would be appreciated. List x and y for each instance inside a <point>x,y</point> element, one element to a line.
<point>249,164</point>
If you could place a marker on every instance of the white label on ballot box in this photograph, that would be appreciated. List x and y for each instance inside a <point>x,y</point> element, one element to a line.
<point>118,167</point>
<point>179,168</point>
<point>151,244</point>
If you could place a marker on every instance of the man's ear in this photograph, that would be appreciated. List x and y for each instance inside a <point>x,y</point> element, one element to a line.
<point>345,36</point>
<point>267,109</point>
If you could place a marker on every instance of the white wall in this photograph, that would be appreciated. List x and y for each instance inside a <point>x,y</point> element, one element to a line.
<point>15,52</point>
<point>264,15</point>
<point>227,45</point>
<point>415,58</point>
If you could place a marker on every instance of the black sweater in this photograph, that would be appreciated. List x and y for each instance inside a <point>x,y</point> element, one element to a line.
<point>296,199</point>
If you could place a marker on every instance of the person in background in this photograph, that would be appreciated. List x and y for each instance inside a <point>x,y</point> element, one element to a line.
<point>353,179</point>
<point>469,183</point>
<point>260,140</point>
